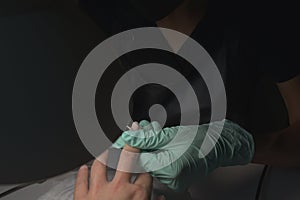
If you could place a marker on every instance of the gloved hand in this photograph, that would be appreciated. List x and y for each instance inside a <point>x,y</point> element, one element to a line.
<point>186,160</point>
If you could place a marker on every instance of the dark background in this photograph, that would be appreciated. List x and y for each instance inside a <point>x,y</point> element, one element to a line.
<point>42,44</point>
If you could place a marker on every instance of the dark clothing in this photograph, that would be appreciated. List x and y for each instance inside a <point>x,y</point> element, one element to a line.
<point>242,53</point>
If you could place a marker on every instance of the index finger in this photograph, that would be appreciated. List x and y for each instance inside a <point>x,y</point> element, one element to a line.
<point>98,175</point>
<point>81,185</point>
<point>127,158</point>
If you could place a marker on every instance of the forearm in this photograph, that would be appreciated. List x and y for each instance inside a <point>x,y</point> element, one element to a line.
<point>279,149</point>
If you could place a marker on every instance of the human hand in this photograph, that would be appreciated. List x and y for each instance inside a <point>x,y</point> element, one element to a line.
<point>188,161</point>
<point>120,188</point>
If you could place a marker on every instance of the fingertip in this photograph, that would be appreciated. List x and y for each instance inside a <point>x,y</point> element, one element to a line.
<point>130,135</point>
<point>82,172</point>
<point>156,126</point>
<point>135,126</point>
<point>83,167</point>
<point>144,123</point>
<point>81,185</point>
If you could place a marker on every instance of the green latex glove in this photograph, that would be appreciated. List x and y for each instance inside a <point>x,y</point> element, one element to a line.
<point>186,161</point>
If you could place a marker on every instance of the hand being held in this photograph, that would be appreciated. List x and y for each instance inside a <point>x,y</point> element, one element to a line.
<point>120,188</point>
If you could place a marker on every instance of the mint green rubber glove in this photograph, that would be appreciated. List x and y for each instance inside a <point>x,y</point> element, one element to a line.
<point>183,159</point>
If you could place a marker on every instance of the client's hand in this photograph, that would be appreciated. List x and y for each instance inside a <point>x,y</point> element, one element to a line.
<point>120,188</point>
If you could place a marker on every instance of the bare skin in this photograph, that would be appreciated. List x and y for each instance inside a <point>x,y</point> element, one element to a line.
<point>120,188</point>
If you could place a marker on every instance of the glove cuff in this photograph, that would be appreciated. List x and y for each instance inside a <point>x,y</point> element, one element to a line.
<point>235,145</point>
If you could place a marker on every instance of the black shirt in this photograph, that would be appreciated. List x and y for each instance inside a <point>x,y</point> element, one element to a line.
<point>243,49</point>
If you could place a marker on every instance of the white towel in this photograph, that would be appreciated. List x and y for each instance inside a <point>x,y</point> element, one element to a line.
<point>64,189</point>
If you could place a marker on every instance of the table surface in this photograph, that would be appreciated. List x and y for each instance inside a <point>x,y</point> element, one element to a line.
<point>235,183</point>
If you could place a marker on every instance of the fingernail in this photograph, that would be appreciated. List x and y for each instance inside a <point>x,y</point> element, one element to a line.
<point>135,126</point>
<point>83,167</point>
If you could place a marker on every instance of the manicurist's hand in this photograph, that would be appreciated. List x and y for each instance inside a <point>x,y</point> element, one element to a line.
<point>120,188</point>
<point>178,155</point>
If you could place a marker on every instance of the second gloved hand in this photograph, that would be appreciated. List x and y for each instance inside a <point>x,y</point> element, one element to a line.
<point>182,152</point>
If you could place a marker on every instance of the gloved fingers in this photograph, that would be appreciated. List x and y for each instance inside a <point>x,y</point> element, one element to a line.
<point>167,168</point>
<point>148,139</point>
<point>119,143</point>
<point>155,126</point>
<point>144,123</point>
<point>161,164</point>
<point>143,138</point>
